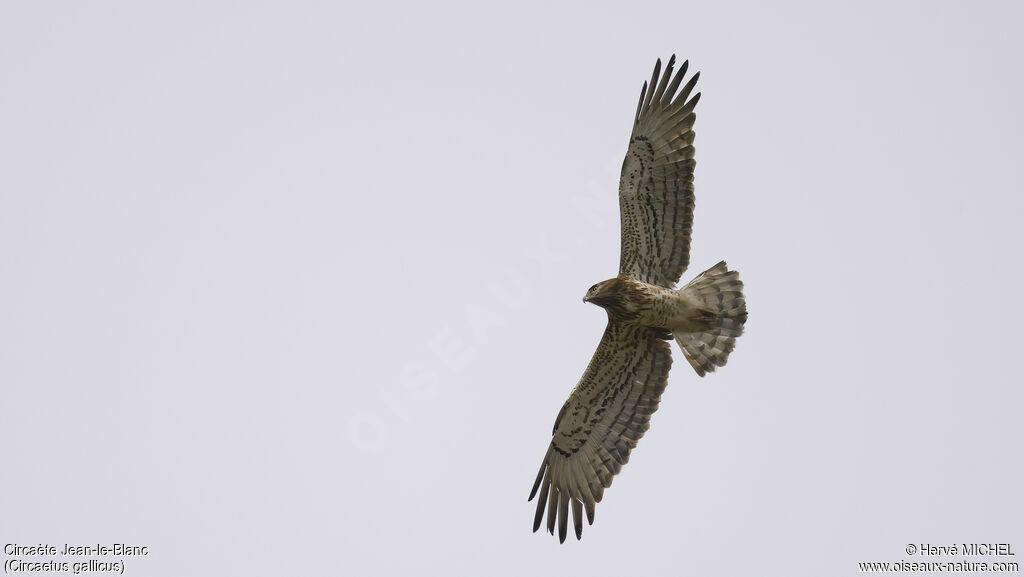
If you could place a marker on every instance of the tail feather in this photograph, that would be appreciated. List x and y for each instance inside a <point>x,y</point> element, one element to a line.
<point>719,293</point>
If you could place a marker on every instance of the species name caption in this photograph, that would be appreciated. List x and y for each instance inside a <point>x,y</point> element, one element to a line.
<point>94,558</point>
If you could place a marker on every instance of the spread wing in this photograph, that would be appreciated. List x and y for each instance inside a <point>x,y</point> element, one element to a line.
<point>656,186</point>
<point>606,414</point>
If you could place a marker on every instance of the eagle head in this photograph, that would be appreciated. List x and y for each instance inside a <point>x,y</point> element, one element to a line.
<point>619,296</point>
<point>605,294</point>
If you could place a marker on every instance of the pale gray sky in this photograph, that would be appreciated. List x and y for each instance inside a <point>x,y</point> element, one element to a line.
<point>294,288</point>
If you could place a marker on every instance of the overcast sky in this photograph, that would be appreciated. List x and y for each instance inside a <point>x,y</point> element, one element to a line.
<point>294,288</point>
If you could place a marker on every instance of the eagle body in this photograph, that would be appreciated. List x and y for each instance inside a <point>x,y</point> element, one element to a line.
<point>631,301</point>
<point>610,408</point>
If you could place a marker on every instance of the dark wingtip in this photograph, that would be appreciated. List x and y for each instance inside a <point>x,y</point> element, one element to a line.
<point>540,477</point>
<point>640,103</point>
<point>577,518</point>
<point>563,515</point>
<point>537,518</point>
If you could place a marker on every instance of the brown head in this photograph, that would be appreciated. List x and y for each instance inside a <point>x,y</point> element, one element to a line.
<point>616,296</point>
<point>606,293</point>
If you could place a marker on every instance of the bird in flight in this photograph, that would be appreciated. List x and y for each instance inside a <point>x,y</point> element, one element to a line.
<point>610,408</point>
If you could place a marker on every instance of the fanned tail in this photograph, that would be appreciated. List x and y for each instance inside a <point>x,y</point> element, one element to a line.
<point>719,292</point>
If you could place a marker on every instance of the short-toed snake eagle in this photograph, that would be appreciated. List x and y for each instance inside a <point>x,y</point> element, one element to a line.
<point>610,408</point>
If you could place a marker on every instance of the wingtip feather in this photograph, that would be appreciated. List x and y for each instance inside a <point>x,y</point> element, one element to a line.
<point>541,503</point>
<point>653,83</point>
<point>540,477</point>
<point>656,99</point>
<point>577,518</point>
<point>563,516</point>
<point>552,510</point>
<point>640,104</point>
